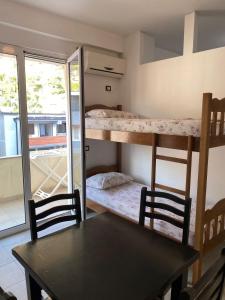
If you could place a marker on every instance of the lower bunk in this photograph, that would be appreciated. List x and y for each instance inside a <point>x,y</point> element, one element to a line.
<point>124,200</point>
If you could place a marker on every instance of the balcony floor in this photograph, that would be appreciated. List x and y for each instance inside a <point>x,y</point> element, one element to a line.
<point>11,213</point>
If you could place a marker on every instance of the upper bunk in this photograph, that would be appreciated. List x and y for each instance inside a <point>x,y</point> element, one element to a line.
<point>211,127</point>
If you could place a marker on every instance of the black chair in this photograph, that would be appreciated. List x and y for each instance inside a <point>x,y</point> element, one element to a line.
<point>73,208</point>
<point>182,222</point>
<point>6,296</point>
<point>184,215</point>
<point>210,286</point>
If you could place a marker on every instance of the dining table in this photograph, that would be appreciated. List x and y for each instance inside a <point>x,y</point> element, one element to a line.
<point>105,257</point>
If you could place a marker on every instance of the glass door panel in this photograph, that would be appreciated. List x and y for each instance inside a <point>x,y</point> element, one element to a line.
<point>47,122</point>
<point>76,102</point>
<point>12,210</point>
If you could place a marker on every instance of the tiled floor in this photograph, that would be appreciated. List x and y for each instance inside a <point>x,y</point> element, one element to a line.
<point>12,276</point>
<point>11,213</point>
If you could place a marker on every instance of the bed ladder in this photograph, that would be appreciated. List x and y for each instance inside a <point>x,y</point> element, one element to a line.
<point>188,162</point>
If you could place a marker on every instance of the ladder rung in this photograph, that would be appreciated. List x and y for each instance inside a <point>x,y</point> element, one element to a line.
<point>173,159</point>
<point>169,189</point>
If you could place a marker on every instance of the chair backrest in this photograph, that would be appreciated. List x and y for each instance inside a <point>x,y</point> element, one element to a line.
<point>210,286</point>
<point>74,208</point>
<point>183,220</point>
<point>6,296</point>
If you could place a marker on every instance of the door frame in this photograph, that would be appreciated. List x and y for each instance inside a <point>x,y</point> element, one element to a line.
<point>19,53</point>
<point>80,54</point>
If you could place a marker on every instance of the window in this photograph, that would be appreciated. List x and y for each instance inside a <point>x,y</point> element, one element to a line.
<point>31,129</point>
<point>61,128</point>
<point>45,129</point>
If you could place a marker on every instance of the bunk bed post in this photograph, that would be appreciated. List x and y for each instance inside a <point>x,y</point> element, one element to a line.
<point>118,156</point>
<point>153,173</point>
<point>189,165</point>
<point>202,182</point>
<point>118,148</point>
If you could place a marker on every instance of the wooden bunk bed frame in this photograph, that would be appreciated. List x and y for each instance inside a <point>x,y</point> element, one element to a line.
<point>210,224</point>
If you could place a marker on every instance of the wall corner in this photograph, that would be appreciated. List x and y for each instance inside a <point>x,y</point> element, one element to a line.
<point>190,33</point>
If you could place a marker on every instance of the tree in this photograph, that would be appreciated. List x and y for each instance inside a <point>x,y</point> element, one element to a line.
<point>9,92</point>
<point>42,82</point>
<point>56,85</point>
<point>34,88</point>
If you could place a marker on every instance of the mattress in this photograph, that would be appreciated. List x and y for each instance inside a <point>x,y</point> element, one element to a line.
<point>183,127</point>
<point>125,200</point>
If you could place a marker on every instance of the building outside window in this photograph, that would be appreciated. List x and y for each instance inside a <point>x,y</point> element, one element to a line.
<point>31,129</point>
<point>61,128</point>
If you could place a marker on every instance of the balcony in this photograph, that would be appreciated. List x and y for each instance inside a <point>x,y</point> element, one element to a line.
<point>48,176</point>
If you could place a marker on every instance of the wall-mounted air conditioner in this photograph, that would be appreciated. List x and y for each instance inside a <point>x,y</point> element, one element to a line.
<point>103,64</point>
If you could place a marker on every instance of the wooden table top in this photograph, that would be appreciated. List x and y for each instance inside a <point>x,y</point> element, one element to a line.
<point>107,257</point>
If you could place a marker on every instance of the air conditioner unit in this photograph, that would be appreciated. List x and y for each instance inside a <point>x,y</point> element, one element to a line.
<point>103,64</point>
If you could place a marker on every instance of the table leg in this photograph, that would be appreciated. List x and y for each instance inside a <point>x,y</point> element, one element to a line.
<point>178,285</point>
<point>33,289</point>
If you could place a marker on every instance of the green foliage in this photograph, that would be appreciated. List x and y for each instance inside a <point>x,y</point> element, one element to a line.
<point>34,88</point>
<point>74,74</point>
<point>74,86</point>
<point>56,85</point>
<point>9,92</point>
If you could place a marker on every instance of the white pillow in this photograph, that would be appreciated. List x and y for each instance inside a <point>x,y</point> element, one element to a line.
<point>104,181</point>
<point>109,113</point>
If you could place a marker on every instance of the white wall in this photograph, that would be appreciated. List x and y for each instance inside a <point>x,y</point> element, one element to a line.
<point>164,54</point>
<point>149,51</point>
<point>18,21</point>
<point>35,29</point>
<point>172,88</point>
<point>36,41</point>
<point>101,152</point>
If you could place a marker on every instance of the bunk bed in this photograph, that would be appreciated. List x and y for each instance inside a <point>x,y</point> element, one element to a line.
<point>209,133</point>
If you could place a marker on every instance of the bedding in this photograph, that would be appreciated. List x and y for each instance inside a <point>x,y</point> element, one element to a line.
<point>125,200</point>
<point>104,181</point>
<point>183,127</point>
<point>109,113</point>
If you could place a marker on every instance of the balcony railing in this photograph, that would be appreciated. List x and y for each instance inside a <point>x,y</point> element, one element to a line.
<point>48,174</point>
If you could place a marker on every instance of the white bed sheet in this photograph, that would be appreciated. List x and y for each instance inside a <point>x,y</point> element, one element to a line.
<point>183,127</point>
<point>125,200</point>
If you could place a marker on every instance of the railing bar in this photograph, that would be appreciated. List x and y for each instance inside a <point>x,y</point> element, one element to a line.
<point>189,166</point>
<point>222,123</point>
<point>214,123</point>
<point>169,189</point>
<point>172,159</point>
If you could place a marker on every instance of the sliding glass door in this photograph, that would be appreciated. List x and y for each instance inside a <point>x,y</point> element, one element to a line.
<point>13,162</point>
<point>76,120</point>
<point>47,126</point>
<point>41,131</point>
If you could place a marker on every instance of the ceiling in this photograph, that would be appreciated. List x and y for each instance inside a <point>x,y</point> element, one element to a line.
<point>164,19</point>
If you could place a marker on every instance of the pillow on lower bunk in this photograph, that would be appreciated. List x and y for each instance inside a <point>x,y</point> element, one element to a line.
<point>109,113</point>
<point>104,181</point>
